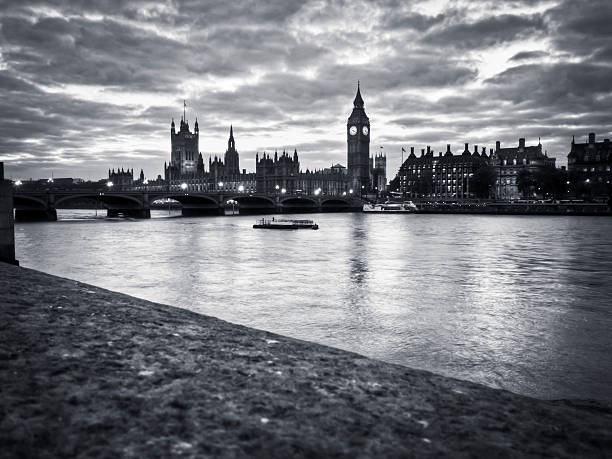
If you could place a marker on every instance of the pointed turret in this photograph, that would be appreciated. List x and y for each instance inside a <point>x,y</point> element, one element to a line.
<point>231,145</point>
<point>358,102</point>
<point>195,126</point>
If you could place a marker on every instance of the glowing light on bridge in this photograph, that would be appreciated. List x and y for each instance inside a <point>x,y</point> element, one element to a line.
<point>283,191</point>
<point>109,184</point>
<point>50,180</point>
<point>241,188</point>
<point>18,183</point>
<point>277,187</point>
<point>183,186</point>
<point>350,191</point>
<point>317,192</point>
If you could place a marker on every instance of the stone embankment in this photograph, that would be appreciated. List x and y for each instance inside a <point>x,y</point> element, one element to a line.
<point>500,208</point>
<point>88,372</point>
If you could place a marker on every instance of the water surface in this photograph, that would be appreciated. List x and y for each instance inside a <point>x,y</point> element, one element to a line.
<point>517,302</point>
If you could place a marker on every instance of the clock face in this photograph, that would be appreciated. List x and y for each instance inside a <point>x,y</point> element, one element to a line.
<point>353,130</point>
<point>365,130</point>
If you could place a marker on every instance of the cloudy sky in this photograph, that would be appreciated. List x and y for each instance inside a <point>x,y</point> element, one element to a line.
<point>88,85</point>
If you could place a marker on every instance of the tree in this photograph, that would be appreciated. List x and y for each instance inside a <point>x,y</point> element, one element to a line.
<point>551,182</point>
<point>525,182</point>
<point>483,181</point>
<point>394,185</point>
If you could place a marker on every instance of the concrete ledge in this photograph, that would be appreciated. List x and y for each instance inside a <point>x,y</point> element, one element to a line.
<point>89,372</point>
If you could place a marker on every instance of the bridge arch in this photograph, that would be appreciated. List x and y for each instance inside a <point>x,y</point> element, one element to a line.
<point>109,200</point>
<point>28,202</point>
<point>187,199</point>
<point>250,199</point>
<point>335,202</point>
<point>299,201</point>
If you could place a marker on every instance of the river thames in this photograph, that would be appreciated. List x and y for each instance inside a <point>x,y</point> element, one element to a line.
<point>518,302</point>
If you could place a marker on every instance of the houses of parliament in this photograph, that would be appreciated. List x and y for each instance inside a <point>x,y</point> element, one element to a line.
<point>278,172</point>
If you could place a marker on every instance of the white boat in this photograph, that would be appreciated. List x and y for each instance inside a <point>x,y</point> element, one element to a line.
<point>391,207</point>
<point>285,224</point>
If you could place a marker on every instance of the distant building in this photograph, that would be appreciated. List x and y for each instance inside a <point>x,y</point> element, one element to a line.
<point>184,148</point>
<point>378,173</point>
<point>282,172</point>
<point>358,146</point>
<point>589,166</point>
<point>442,176</point>
<point>223,174</point>
<point>121,179</point>
<point>508,162</point>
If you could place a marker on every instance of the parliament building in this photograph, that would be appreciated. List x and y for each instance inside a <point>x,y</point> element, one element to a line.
<point>278,173</point>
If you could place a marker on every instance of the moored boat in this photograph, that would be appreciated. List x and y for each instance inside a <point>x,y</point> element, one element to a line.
<point>391,207</point>
<point>285,224</point>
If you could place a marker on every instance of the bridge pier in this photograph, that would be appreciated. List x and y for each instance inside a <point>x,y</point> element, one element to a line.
<point>7,225</point>
<point>131,213</point>
<point>36,215</point>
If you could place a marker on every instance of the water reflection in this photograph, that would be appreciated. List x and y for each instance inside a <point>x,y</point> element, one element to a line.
<point>514,302</point>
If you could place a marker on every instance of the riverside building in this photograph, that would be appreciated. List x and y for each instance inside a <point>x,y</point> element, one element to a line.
<point>589,166</point>
<point>444,176</point>
<point>508,162</point>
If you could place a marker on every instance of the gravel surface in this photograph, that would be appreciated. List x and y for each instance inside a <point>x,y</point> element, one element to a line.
<point>89,372</point>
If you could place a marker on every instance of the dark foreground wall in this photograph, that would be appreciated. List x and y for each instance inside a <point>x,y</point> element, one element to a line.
<point>7,225</point>
<point>89,372</point>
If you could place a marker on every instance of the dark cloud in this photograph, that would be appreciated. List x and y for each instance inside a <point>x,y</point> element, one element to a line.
<point>487,32</point>
<point>526,55</point>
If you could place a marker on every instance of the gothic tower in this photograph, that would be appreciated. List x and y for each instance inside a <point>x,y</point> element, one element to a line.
<point>232,160</point>
<point>358,140</point>
<point>184,147</point>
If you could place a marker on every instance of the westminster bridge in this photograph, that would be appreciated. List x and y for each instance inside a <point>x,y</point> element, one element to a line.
<point>43,204</point>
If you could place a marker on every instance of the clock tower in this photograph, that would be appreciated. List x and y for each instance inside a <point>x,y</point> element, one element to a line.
<point>358,152</point>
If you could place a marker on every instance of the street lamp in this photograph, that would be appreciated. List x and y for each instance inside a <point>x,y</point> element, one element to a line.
<point>350,191</point>
<point>50,180</point>
<point>276,187</point>
<point>109,184</point>
<point>220,184</point>
<point>283,191</point>
<point>241,188</point>
<point>317,191</point>
<point>344,193</point>
<point>183,186</point>
<point>18,182</point>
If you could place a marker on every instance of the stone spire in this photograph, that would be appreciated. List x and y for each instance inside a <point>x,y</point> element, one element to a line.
<point>358,102</point>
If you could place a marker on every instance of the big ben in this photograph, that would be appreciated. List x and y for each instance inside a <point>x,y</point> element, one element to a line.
<point>358,140</point>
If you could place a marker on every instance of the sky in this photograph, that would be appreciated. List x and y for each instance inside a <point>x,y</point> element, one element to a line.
<point>90,85</point>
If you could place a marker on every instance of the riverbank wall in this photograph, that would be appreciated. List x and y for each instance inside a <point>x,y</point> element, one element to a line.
<point>89,372</point>
<point>493,208</point>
